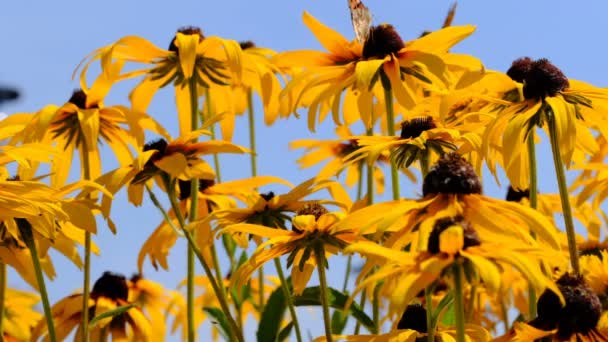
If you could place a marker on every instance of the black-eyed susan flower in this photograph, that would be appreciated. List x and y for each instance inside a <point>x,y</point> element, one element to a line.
<point>573,319</point>
<point>406,68</point>
<point>313,227</point>
<point>212,198</point>
<point>81,124</point>
<point>452,241</point>
<point>541,92</point>
<point>336,151</point>
<point>452,189</point>
<point>153,300</point>
<point>109,292</point>
<point>191,59</point>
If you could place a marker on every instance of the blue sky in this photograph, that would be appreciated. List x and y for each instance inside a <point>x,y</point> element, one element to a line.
<point>44,41</point>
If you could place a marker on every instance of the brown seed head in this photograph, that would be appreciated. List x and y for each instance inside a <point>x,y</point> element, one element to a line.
<point>382,41</point>
<point>111,285</point>
<point>452,174</point>
<point>471,238</point>
<point>413,128</point>
<point>187,30</point>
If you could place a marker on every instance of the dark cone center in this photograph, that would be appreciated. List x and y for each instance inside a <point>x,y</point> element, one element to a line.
<point>248,44</point>
<point>79,99</point>
<point>414,318</point>
<point>540,77</point>
<point>452,174</point>
<point>580,314</point>
<point>382,41</point>
<point>514,195</point>
<point>185,187</point>
<point>471,238</point>
<point>111,285</point>
<point>411,129</point>
<point>314,209</point>
<point>187,30</point>
<point>267,196</point>
<point>519,69</point>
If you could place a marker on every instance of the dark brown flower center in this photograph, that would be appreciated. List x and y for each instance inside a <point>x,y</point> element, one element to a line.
<point>514,195</point>
<point>160,145</point>
<point>519,69</point>
<point>79,98</point>
<point>411,129</point>
<point>312,208</point>
<point>414,318</point>
<point>248,44</point>
<point>187,30</point>
<point>267,196</point>
<point>346,148</point>
<point>540,77</point>
<point>112,286</point>
<point>452,174</point>
<point>580,314</point>
<point>382,41</point>
<point>471,238</point>
<point>185,187</point>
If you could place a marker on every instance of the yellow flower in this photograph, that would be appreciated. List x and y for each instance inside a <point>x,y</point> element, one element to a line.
<point>19,315</point>
<point>540,92</point>
<point>312,227</point>
<point>355,68</point>
<point>190,57</point>
<point>153,299</point>
<point>336,151</point>
<point>451,241</point>
<point>212,197</point>
<point>177,159</point>
<point>109,292</point>
<point>82,123</point>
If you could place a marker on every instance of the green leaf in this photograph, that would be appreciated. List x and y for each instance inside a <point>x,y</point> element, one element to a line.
<point>449,319</point>
<point>337,300</point>
<point>220,319</point>
<point>284,334</point>
<point>270,322</point>
<point>338,322</point>
<point>110,314</point>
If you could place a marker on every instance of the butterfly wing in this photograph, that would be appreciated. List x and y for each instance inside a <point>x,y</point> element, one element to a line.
<point>361,18</point>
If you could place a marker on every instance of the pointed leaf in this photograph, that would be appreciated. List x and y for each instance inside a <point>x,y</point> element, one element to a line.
<point>110,313</point>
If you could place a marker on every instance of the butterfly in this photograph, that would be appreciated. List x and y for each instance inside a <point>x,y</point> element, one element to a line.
<point>361,18</point>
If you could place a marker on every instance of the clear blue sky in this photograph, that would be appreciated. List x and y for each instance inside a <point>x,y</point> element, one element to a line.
<point>43,42</point>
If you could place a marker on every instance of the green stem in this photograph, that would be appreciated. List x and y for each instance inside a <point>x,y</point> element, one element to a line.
<point>533,191</point>
<point>235,332</point>
<point>2,296</point>
<point>25,229</point>
<point>86,170</point>
<point>390,126</point>
<point>349,261</point>
<point>254,172</point>
<point>362,300</point>
<point>288,299</point>
<point>428,298</point>
<point>376,306</point>
<point>459,301</point>
<point>471,304</point>
<point>193,213</point>
<point>216,159</point>
<point>563,192</point>
<point>162,210</point>
<point>320,254</point>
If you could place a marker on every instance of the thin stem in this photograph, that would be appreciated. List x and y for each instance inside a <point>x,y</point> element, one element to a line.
<point>428,298</point>
<point>390,126</point>
<point>533,191</point>
<point>376,306</point>
<point>349,261</point>
<point>235,332</point>
<point>471,304</point>
<point>162,210</point>
<point>362,300</point>
<point>193,213</point>
<point>2,296</point>
<point>459,301</point>
<point>288,299</point>
<point>25,229</point>
<point>320,254</point>
<point>86,170</point>
<point>563,191</point>
<point>254,169</point>
<point>216,159</point>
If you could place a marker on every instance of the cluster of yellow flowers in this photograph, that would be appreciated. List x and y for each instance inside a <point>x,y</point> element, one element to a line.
<point>451,265</point>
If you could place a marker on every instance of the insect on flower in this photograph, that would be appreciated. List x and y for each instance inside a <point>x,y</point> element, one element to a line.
<point>361,18</point>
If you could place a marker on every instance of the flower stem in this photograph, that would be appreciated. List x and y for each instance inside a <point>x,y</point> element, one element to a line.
<point>216,159</point>
<point>459,301</point>
<point>162,210</point>
<point>370,177</point>
<point>235,332</point>
<point>2,296</point>
<point>390,126</point>
<point>563,191</point>
<point>428,298</point>
<point>254,172</point>
<point>86,170</point>
<point>193,212</point>
<point>288,299</point>
<point>320,254</point>
<point>533,191</point>
<point>25,229</point>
